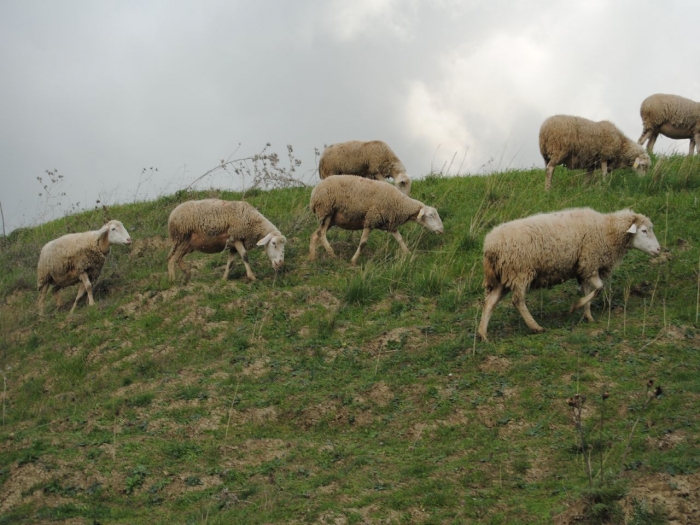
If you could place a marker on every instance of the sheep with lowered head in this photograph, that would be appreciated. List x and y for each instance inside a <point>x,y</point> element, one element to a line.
<point>673,116</point>
<point>213,225</point>
<point>546,249</point>
<point>579,143</point>
<point>372,160</point>
<point>77,258</point>
<point>355,203</point>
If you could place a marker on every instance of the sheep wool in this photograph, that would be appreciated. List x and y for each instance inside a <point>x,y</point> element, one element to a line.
<point>547,249</point>
<point>579,143</point>
<point>77,258</point>
<point>372,160</point>
<point>355,203</point>
<point>213,225</point>
<point>673,116</point>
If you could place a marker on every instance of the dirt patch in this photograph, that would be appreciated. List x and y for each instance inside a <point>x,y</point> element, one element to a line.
<point>22,478</point>
<point>667,441</point>
<point>394,340</point>
<point>257,368</point>
<point>494,363</point>
<point>678,495</point>
<point>381,394</point>
<point>253,452</point>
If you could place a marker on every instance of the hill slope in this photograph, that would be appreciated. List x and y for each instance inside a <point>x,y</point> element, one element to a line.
<point>331,394</point>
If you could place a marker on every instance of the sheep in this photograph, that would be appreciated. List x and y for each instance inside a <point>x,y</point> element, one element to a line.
<point>373,160</point>
<point>547,249</point>
<point>77,258</point>
<point>673,116</point>
<point>213,225</point>
<point>581,143</point>
<point>354,203</point>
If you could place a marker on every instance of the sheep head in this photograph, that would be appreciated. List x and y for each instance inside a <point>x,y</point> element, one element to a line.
<point>429,218</point>
<point>274,247</point>
<point>643,237</point>
<point>116,233</point>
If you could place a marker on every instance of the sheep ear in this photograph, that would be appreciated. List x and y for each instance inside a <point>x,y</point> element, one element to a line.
<point>633,228</point>
<point>265,240</point>
<point>636,164</point>
<point>421,213</point>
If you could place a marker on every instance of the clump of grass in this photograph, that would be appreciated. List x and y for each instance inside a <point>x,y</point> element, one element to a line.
<point>641,515</point>
<point>364,288</point>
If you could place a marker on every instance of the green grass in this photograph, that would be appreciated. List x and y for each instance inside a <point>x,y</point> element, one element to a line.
<point>328,393</point>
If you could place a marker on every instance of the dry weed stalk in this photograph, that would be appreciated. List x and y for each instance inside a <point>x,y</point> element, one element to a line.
<point>651,394</point>
<point>576,403</point>
<point>262,169</point>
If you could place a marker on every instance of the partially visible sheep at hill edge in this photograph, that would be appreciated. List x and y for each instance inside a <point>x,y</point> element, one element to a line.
<point>372,160</point>
<point>547,249</point>
<point>579,143</point>
<point>673,116</point>
<point>77,258</point>
<point>354,203</point>
<point>213,225</point>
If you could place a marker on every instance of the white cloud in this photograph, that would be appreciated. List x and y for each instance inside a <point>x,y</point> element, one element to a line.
<point>350,20</point>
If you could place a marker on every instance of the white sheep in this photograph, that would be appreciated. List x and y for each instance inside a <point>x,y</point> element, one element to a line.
<point>373,160</point>
<point>580,143</point>
<point>77,258</point>
<point>673,116</point>
<point>213,225</point>
<point>547,249</point>
<point>355,203</point>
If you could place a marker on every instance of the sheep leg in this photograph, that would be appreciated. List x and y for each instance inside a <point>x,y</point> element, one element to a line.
<point>652,141</point>
<point>646,133</point>
<point>495,295</point>
<point>399,239</point>
<point>231,255</point>
<point>363,242</point>
<point>519,303</point>
<point>177,253</point>
<point>244,255</point>
<point>84,286</point>
<point>604,168</point>
<point>56,297</point>
<point>42,295</point>
<point>695,144</point>
<point>320,233</point>
<point>597,284</point>
<point>325,226</point>
<point>81,292</point>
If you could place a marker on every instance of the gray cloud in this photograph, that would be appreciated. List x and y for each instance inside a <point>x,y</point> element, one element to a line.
<point>102,90</point>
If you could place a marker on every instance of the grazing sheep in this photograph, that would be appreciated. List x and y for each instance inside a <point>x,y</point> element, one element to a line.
<point>354,203</point>
<point>581,143</point>
<point>213,225</point>
<point>547,249</point>
<point>673,116</point>
<point>372,160</point>
<point>77,257</point>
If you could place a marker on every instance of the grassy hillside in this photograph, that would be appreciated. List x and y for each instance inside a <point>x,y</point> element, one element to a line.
<point>332,394</point>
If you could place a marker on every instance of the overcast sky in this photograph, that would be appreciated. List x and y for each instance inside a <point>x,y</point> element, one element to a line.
<point>101,90</point>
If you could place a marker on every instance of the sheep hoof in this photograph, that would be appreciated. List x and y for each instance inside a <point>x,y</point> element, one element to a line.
<point>537,329</point>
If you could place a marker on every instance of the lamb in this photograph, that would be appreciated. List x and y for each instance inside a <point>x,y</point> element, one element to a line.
<point>77,258</point>
<point>373,160</point>
<point>581,143</point>
<point>547,249</point>
<point>213,225</point>
<point>354,203</point>
<point>673,116</point>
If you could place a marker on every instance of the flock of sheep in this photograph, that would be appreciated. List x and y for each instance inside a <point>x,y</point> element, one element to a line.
<point>537,251</point>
